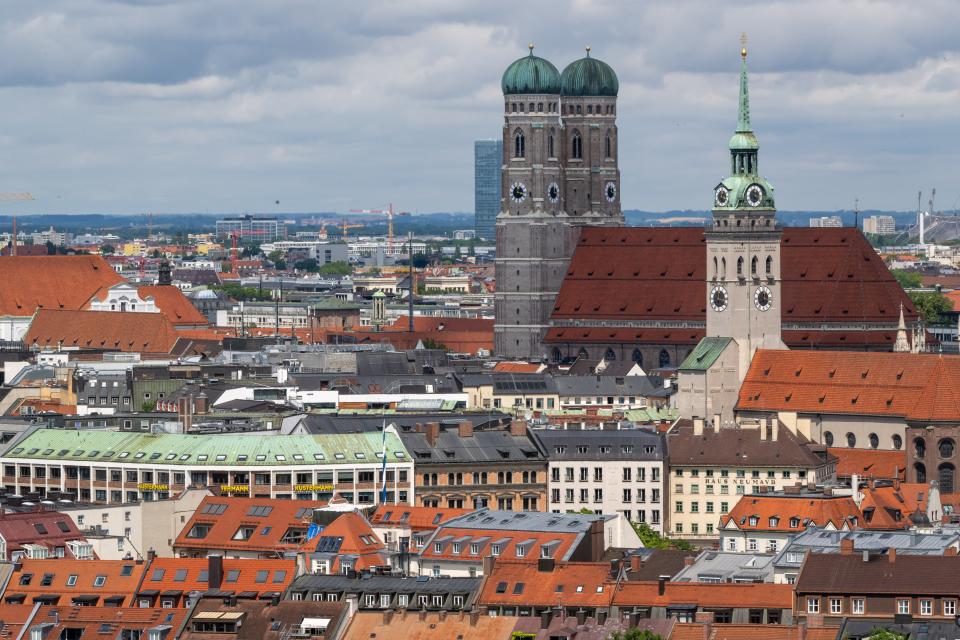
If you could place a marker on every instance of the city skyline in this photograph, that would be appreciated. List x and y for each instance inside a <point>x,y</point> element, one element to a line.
<point>127,107</point>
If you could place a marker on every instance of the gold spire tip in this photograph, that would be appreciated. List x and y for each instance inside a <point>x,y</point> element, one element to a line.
<point>530,46</point>
<point>743,53</point>
<point>588,49</point>
<point>743,45</point>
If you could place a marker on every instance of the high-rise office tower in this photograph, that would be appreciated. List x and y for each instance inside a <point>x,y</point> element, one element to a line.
<point>487,159</point>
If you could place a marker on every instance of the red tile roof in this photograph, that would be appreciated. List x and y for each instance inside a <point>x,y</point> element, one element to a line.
<point>890,507</point>
<point>48,528</point>
<point>51,282</point>
<point>356,539</point>
<point>417,518</point>
<point>513,583</point>
<point>560,543</point>
<point>828,276</point>
<point>715,631</point>
<point>226,516</point>
<point>822,511</point>
<point>173,304</point>
<point>239,575</point>
<point>869,463</point>
<point>120,578</point>
<point>108,330</point>
<point>917,387</point>
<point>94,620</point>
<point>765,596</point>
<point>518,367</point>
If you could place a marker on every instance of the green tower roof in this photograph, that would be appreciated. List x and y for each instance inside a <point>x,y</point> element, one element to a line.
<point>743,138</point>
<point>589,77</point>
<point>530,74</point>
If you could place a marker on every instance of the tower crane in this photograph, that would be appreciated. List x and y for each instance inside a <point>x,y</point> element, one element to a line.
<point>389,213</point>
<point>346,226</point>
<point>14,197</point>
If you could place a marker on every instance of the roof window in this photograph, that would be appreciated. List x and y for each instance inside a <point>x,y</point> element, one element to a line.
<point>202,457</point>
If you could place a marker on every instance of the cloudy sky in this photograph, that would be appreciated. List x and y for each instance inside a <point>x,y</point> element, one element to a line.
<point>230,105</point>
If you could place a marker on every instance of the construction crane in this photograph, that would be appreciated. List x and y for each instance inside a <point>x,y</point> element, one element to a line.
<point>389,213</point>
<point>14,197</point>
<point>233,253</point>
<point>346,226</point>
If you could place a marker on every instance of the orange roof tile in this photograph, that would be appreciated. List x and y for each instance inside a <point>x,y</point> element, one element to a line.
<point>717,631</point>
<point>775,512</point>
<point>559,543</point>
<point>766,596</point>
<point>417,518</point>
<point>518,367</point>
<point>409,626</point>
<point>225,516</point>
<point>917,387</point>
<point>119,578</point>
<point>51,282</point>
<point>108,330</point>
<point>890,507</point>
<point>869,463</point>
<point>173,304</point>
<point>239,575</point>
<point>92,620</point>
<point>514,582</point>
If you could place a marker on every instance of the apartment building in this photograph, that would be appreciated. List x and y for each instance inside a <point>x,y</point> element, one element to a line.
<point>605,471</point>
<point>112,467</point>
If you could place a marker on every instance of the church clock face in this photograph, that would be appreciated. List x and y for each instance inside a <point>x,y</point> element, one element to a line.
<point>553,192</point>
<point>754,195</point>
<point>721,197</point>
<point>518,192</point>
<point>762,298</point>
<point>719,298</point>
<point>611,191</point>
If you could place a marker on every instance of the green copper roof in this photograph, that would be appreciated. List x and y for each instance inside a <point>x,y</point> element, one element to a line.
<point>744,139</point>
<point>705,354</point>
<point>589,77</point>
<point>530,74</point>
<point>180,450</point>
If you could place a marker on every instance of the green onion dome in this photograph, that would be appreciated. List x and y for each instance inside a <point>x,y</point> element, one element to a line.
<point>589,77</point>
<point>530,74</point>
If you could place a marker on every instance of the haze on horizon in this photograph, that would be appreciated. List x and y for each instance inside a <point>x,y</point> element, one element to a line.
<point>229,105</point>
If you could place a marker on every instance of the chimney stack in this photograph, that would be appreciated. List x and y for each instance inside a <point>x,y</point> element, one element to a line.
<point>433,433</point>
<point>892,555</point>
<point>214,571</point>
<point>635,563</point>
<point>662,584</point>
<point>466,429</point>
<point>716,423</point>
<point>763,429</point>
<point>846,547</point>
<point>518,427</point>
<point>698,426</point>
<point>774,429</point>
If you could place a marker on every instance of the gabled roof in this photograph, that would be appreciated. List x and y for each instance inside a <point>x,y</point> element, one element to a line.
<point>239,575</point>
<point>890,507</point>
<point>736,446</point>
<point>51,282</point>
<point>103,623</point>
<point>349,535</point>
<point>705,595</point>
<point>417,518</point>
<point>659,274</point>
<point>107,330</point>
<point>271,519</point>
<point>916,387</point>
<point>775,512</point>
<point>260,622</point>
<point>49,528</point>
<point>119,578</point>
<point>522,583</point>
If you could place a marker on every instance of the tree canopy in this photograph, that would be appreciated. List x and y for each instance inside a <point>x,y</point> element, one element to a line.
<point>933,306</point>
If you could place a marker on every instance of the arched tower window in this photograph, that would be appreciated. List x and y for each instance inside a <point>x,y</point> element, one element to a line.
<point>723,268</point>
<point>664,358</point>
<point>519,146</point>
<point>610,355</point>
<point>921,472</point>
<point>769,265</point>
<point>550,144</point>
<point>740,266</point>
<point>609,145</point>
<point>753,266</point>
<point>590,108</point>
<point>576,146</point>
<point>716,271</point>
<point>637,356</point>
<point>919,447</point>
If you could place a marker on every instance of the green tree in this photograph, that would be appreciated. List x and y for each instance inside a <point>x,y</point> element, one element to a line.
<point>307,264</point>
<point>635,634</point>
<point>238,292</point>
<point>879,633</point>
<point>276,256</point>
<point>107,249</point>
<point>907,279</point>
<point>51,248</point>
<point>653,540</point>
<point>250,250</point>
<point>335,269</point>
<point>931,305</point>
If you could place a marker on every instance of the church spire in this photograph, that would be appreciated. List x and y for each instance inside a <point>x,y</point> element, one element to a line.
<point>901,345</point>
<point>743,121</point>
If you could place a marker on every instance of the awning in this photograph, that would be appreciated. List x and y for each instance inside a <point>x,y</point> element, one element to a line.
<point>114,598</point>
<point>150,593</point>
<point>16,598</point>
<point>215,593</point>
<point>270,594</point>
<point>174,593</point>
<point>247,595</point>
<point>89,598</point>
<point>47,598</point>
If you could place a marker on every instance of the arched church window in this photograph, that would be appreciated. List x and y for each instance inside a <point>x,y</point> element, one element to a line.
<point>828,438</point>
<point>723,268</point>
<point>716,271</point>
<point>610,355</point>
<point>753,266</point>
<point>519,149</point>
<point>539,107</point>
<point>945,473</point>
<point>851,440</point>
<point>576,146</point>
<point>919,447</point>
<point>598,109</point>
<point>897,441</point>
<point>590,108</point>
<point>550,145</point>
<point>637,356</point>
<point>531,108</point>
<point>769,263</point>
<point>579,110</point>
<point>874,440</point>
<point>946,448</point>
<point>921,472</point>
<point>514,107</point>
<point>664,358</point>
<point>740,266</point>
<point>609,146</point>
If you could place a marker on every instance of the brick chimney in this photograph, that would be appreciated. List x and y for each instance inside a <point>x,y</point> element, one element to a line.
<point>662,584</point>
<point>433,433</point>
<point>846,547</point>
<point>518,427</point>
<point>466,429</point>
<point>950,551</point>
<point>635,563</point>
<point>892,555</point>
